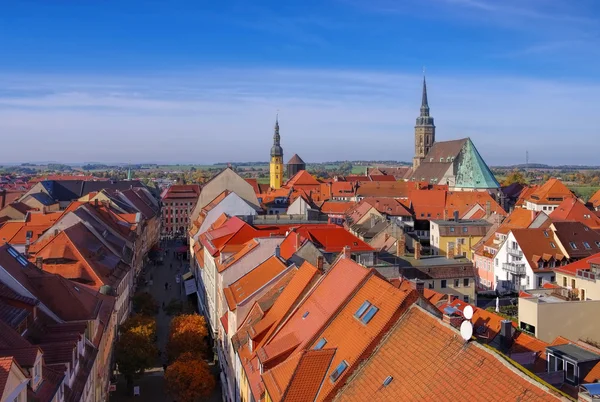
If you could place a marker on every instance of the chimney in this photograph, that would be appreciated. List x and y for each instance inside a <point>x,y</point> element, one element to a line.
<point>401,247</point>
<point>419,285</point>
<point>506,334</point>
<point>320,263</point>
<point>417,250</point>
<point>277,251</point>
<point>453,320</point>
<point>39,262</point>
<point>298,241</point>
<point>455,216</point>
<point>450,250</point>
<point>346,252</point>
<point>488,209</point>
<point>96,202</point>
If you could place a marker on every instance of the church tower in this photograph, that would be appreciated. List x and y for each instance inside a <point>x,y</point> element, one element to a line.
<point>424,130</point>
<point>276,165</point>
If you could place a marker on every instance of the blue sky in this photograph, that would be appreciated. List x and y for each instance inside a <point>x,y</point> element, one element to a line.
<point>201,81</point>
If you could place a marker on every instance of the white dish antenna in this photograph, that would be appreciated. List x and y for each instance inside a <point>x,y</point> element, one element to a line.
<point>468,312</point>
<point>466,330</point>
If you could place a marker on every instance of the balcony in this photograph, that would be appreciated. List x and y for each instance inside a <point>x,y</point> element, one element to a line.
<point>515,268</point>
<point>587,275</point>
<point>514,252</point>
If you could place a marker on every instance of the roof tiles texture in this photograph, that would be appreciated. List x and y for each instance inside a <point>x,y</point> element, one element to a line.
<point>428,361</point>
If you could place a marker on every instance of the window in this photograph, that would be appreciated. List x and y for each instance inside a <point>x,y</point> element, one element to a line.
<point>443,283</point>
<point>573,245</point>
<point>551,363</point>
<point>582,294</point>
<point>559,364</point>
<point>570,374</point>
<point>565,281</point>
<point>431,284</point>
<point>572,283</point>
<point>359,313</point>
<point>539,282</point>
<point>598,244</point>
<point>305,315</point>
<point>586,245</point>
<point>466,298</point>
<point>456,283</point>
<point>320,344</point>
<point>338,371</point>
<point>552,245</point>
<point>466,282</point>
<point>367,317</point>
<point>465,229</point>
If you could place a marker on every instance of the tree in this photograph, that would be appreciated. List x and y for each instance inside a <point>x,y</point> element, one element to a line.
<point>134,353</point>
<point>144,303</point>
<point>141,324</point>
<point>187,334</point>
<point>189,378</point>
<point>515,176</point>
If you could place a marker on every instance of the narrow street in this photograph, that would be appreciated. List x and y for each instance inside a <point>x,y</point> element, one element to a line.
<point>152,382</point>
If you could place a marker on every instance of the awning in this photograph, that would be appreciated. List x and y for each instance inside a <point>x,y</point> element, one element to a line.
<point>187,276</point>
<point>190,287</point>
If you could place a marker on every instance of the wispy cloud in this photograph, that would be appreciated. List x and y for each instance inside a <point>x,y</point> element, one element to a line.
<point>209,116</point>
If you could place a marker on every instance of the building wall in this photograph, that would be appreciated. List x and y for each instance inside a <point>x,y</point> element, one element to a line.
<point>591,288</point>
<point>485,272</point>
<point>276,172</point>
<point>439,244</point>
<point>13,383</point>
<point>176,215</point>
<point>209,289</point>
<point>571,319</point>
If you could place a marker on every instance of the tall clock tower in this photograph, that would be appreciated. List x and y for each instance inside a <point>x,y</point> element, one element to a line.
<point>424,130</point>
<point>276,165</point>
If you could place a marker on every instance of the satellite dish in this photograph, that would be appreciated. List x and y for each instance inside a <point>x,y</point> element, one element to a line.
<point>468,312</point>
<point>466,330</point>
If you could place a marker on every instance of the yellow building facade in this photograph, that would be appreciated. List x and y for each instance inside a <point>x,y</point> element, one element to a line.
<point>276,164</point>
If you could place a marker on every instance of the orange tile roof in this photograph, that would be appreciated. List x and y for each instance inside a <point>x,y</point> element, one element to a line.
<point>428,360</point>
<point>428,204</point>
<point>463,201</point>
<point>488,322</point>
<point>9,230</point>
<point>585,264</point>
<point>300,377</point>
<point>336,207</point>
<point>552,192</point>
<point>571,209</point>
<point>5,366</point>
<point>43,219</point>
<point>595,199</point>
<point>395,189</point>
<point>248,284</point>
<point>333,238</point>
<point>391,302</point>
<point>303,179</point>
<point>537,246</point>
<point>357,212</point>
<point>524,195</point>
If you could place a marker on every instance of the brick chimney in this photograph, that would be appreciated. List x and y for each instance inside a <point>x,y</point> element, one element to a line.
<point>417,250</point>
<point>298,241</point>
<point>419,285</point>
<point>320,262</point>
<point>454,320</point>
<point>506,336</point>
<point>401,246</point>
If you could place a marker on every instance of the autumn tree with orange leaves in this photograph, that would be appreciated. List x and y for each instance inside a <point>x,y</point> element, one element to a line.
<point>188,334</point>
<point>189,378</point>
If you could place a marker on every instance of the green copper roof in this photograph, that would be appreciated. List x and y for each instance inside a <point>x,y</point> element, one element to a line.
<point>473,171</point>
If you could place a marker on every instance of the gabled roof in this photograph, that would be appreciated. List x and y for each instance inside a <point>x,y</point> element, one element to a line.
<point>302,178</point>
<point>254,280</point>
<point>463,201</point>
<point>180,191</point>
<point>395,189</point>
<point>336,207</point>
<point>387,206</point>
<point>595,200</point>
<point>428,204</point>
<point>571,209</point>
<point>578,240</point>
<point>472,170</point>
<point>300,377</point>
<point>583,264</point>
<point>426,359</point>
<point>537,245</point>
<point>553,192</point>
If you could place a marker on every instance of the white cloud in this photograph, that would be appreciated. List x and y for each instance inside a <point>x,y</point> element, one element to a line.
<point>227,115</point>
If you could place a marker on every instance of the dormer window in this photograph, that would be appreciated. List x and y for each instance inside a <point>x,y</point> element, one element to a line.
<point>37,374</point>
<point>339,370</point>
<point>322,342</point>
<point>586,245</point>
<point>573,245</point>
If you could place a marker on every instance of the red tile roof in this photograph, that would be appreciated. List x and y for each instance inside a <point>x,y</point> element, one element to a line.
<point>336,207</point>
<point>427,360</point>
<point>248,284</point>
<point>388,206</point>
<point>428,204</point>
<point>584,264</point>
<point>595,200</point>
<point>304,180</point>
<point>180,191</point>
<point>536,245</point>
<point>463,201</point>
<point>571,209</point>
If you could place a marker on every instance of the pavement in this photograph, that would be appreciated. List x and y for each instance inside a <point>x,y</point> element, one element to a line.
<point>151,384</point>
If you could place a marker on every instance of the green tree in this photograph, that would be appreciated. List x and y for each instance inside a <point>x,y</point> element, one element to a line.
<point>135,352</point>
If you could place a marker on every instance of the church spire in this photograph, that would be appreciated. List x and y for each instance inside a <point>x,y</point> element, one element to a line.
<point>276,150</point>
<point>424,103</point>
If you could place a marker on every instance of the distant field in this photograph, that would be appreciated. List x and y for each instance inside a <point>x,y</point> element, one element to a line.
<point>584,192</point>
<point>263,180</point>
<point>359,170</point>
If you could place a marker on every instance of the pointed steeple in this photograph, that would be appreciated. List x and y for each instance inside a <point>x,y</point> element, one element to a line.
<point>276,150</point>
<point>424,103</point>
